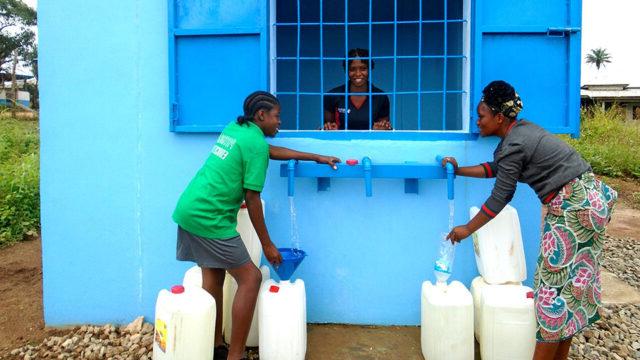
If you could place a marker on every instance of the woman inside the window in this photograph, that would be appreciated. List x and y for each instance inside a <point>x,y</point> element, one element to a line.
<point>357,67</point>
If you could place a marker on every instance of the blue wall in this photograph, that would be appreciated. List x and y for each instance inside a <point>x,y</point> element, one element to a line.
<point>110,177</point>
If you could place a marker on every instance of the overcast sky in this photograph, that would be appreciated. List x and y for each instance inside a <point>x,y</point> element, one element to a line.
<point>31,3</point>
<point>613,25</point>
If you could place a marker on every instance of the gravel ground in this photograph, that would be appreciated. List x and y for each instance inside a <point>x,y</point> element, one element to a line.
<point>131,342</point>
<point>622,257</point>
<point>616,336</point>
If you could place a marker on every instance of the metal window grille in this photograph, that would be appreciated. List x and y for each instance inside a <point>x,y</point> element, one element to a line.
<point>420,48</point>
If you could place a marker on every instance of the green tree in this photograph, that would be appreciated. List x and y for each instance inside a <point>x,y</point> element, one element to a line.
<point>29,55</point>
<point>598,57</point>
<point>16,18</point>
<point>16,37</point>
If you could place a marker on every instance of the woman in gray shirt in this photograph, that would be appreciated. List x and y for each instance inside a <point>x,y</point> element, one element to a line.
<point>579,206</point>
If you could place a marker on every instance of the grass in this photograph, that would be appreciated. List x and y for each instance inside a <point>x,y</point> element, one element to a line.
<point>19,179</point>
<point>609,143</point>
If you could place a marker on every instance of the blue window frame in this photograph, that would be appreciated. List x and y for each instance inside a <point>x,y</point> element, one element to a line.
<point>420,49</point>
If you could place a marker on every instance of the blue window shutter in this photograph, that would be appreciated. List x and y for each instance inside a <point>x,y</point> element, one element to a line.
<point>535,46</point>
<point>218,54</point>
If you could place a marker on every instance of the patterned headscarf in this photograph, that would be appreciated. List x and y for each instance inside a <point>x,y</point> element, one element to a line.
<point>509,108</point>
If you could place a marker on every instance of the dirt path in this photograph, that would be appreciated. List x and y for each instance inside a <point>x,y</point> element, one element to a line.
<point>21,301</point>
<point>21,316</point>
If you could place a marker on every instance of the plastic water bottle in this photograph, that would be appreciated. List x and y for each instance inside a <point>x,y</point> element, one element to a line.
<point>444,263</point>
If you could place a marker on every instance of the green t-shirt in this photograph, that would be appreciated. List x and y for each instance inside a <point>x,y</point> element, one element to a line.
<point>239,159</point>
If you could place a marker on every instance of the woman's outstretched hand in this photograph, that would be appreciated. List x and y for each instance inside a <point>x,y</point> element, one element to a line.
<point>458,234</point>
<point>329,160</point>
<point>449,159</point>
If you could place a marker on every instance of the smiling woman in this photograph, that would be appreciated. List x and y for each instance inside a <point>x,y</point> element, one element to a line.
<point>337,115</point>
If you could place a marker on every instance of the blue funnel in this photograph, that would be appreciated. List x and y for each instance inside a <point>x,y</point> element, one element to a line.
<point>291,258</point>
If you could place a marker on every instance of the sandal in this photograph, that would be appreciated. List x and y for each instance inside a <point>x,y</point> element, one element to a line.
<point>220,352</point>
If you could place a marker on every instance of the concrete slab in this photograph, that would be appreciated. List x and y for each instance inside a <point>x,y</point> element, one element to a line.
<point>624,222</point>
<point>616,291</point>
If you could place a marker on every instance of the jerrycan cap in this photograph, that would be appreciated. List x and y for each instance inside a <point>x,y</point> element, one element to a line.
<point>244,205</point>
<point>352,162</point>
<point>177,289</point>
<point>274,288</point>
<point>530,295</point>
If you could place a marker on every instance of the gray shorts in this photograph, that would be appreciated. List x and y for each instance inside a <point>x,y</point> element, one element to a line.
<point>211,253</point>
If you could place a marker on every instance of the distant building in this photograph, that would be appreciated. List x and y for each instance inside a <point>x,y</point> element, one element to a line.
<point>628,97</point>
<point>24,98</point>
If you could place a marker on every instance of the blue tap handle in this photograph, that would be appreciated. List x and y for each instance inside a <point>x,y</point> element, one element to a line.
<point>291,169</point>
<point>450,176</point>
<point>366,166</point>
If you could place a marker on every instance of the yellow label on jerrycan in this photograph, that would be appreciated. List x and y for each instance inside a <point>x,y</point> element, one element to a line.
<point>185,322</point>
<point>160,337</point>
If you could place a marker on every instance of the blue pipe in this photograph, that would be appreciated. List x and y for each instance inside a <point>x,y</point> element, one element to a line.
<point>366,166</point>
<point>291,168</point>
<point>450,176</point>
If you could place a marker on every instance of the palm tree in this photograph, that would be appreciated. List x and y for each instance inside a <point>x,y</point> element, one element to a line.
<point>599,57</point>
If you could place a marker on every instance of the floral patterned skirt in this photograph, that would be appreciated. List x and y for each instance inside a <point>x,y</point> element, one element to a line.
<point>567,278</point>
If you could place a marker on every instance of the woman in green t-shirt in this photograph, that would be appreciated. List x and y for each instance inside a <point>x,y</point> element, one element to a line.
<point>207,212</point>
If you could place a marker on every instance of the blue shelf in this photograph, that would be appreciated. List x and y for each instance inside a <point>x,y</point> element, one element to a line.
<point>365,169</point>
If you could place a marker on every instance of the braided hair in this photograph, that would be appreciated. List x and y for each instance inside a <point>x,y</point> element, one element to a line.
<point>256,101</point>
<point>501,97</point>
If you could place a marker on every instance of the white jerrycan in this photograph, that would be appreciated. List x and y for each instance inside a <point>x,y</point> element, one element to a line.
<point>498,248</point>
<point>507,323</point>
<point>193,277</point>
<point>228,294</point>
<point>184,324</point>
<point>478,285</point>
<point>254,247</point>
<point>249,235</point>
<point>282,309</point>
<point>447,322</point>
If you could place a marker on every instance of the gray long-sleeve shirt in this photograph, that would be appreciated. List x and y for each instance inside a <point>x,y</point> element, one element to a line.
<point>531,155</point>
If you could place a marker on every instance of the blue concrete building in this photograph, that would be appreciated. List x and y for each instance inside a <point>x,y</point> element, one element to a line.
<point>154,82</point>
